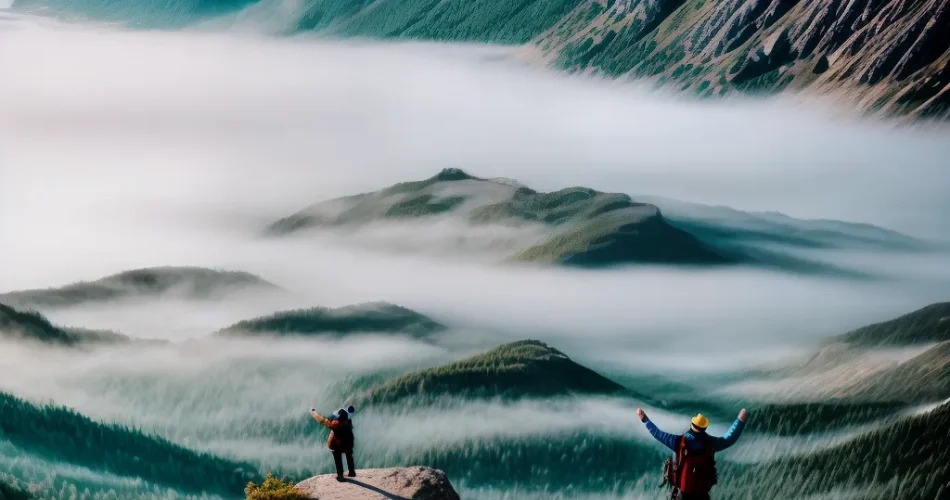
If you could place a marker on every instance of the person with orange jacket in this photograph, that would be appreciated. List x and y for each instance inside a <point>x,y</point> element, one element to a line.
<point>340,442</point>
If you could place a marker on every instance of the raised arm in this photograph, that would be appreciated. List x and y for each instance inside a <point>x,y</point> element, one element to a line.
<point>732,435</point>
<point>668,440</point>
<point>332,424</point>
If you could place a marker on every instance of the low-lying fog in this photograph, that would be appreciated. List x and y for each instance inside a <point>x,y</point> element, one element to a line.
<point>121,150</point>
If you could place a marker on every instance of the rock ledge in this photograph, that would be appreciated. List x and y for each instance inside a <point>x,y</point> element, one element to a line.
<point>400,483</point>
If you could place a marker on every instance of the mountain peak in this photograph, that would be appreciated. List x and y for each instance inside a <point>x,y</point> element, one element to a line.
<point>526,367</point>
<point>452,174</point>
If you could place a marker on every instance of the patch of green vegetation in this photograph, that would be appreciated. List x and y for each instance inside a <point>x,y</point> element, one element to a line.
<point>525,368</point>
<point>772,81</point>
<point>929,324</point>
<point>605,42</point>
<point>681,70</point>
<point>595,10</point>
<point>564,206</point>
<point>486,21</point>
<point>366,318</point>
<point>62,435</point>
<point>424,205</point>
<point>274,489</point>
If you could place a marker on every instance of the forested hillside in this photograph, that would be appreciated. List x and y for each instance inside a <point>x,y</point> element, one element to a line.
<point>512,370</point>
<point>907,459</point>
<point>374,317</point>
<point>61,435</point>
<point>508,22</point>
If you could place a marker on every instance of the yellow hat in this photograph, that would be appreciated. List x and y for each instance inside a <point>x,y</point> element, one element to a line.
<point>700,422</point>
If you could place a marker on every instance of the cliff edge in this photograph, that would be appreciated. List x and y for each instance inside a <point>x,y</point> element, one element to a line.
<point>400,483</point>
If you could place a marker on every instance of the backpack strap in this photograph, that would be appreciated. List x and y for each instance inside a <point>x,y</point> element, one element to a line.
<point>680,455</point>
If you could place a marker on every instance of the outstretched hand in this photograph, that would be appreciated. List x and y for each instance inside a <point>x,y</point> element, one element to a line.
<point>641,415</point>
<point>742,414</point>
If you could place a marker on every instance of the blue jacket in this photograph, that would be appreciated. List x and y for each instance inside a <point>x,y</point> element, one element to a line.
<point>694,440</point>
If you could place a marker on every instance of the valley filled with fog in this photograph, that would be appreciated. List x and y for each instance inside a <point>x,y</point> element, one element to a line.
<point>124,149</point>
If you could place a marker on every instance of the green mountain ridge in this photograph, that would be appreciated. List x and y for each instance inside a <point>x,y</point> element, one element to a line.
<point>372,317</point>
<point>190,282</point>
<point>517,369</point>
<point>33,326</point>
<point>585,227</point>
<point>902,361</point>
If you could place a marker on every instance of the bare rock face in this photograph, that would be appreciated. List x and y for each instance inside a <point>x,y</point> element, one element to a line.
<point>400,483</point>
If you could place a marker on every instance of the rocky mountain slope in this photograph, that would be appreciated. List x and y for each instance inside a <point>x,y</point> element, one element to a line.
<point>574,226</point>
<point>186,282</point>
<point>373,317</point>
<point>904,360</point>
<point>416,483</point>
<point>889,56</point>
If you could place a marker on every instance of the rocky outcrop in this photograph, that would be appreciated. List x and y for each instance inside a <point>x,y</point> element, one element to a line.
<point>400,483</point>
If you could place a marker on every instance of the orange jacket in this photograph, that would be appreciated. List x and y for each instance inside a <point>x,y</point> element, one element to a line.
<point>333,442</point>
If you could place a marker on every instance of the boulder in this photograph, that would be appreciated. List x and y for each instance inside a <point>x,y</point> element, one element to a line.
<point>400,483</point>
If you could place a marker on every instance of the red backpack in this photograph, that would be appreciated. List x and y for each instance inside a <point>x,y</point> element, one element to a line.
<point>695,469</point>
